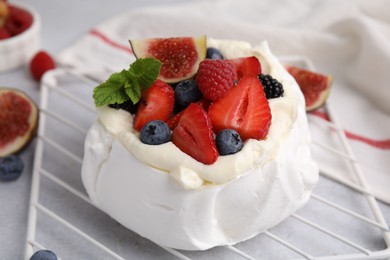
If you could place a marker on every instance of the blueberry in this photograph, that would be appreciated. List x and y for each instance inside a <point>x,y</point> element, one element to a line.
<point>214,54</point>
<point>228,141</point>
<point>11,167</point>
<point>127,106</point>
<point>44,255</point>
<point>155,132</point>
<point>187,92</point>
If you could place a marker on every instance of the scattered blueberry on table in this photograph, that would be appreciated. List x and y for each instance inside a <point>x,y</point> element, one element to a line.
<point>44,255</point>
<point>11,167</point>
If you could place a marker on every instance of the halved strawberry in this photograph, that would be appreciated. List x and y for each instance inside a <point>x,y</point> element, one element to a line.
<point>174,120</point>
<point>244,108</point>
<point>194,135</point>
<point>247,66</point>
<point>157,103</point>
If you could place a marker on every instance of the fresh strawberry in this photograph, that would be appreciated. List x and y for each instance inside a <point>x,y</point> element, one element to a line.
<point>247,66</point>
<point>18,20</point>
<point>4,34</point>
<point>194,135</point>
<point>204,103</point>
<point>40,63</point>
<point>157,103</point>
<point>244,108</point>
<point>215,78</point>
<point>174,120</point>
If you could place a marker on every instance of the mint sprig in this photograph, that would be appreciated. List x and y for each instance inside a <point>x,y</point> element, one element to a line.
<point>127,84</point>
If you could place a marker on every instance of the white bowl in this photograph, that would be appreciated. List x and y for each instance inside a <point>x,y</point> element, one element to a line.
<point>18,50</point>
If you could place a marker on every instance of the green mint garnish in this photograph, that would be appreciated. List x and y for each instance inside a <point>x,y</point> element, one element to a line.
<point>127,84</point>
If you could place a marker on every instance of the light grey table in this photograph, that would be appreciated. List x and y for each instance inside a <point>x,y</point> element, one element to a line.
<point>62,23</point>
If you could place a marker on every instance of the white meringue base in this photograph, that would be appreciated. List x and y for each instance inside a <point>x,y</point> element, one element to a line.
<point>160,206</point>
<point>156,206</point>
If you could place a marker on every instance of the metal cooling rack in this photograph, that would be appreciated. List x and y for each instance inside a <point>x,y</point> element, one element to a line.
<point>63,219</point>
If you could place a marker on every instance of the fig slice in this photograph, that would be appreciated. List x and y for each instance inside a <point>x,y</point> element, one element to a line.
<point>180,56</point>
<point>18,121</point>
<point>314,86</point>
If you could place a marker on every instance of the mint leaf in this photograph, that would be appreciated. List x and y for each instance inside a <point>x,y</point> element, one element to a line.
<point>112,90</point>
<point>127,84</point>
<point>133,90</point>
<point>144,72</point>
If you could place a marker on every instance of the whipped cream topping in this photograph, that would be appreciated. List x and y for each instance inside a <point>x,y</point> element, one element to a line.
<point>166,196</point>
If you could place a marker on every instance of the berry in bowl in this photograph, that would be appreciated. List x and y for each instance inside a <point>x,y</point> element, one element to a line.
<point>19,34</point>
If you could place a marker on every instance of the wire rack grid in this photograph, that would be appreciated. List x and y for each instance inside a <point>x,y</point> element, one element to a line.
<point>62,218</point>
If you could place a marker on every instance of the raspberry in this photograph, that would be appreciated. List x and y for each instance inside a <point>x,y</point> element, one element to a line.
<point>41,63</point>
<point>215,78</point>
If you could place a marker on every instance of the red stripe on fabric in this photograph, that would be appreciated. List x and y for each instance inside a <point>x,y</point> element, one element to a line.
<point>110,42</point>
<point>320,114</point>
<point>380,144</point>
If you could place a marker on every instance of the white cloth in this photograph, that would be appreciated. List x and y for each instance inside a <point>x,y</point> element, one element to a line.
<point>347,39</point>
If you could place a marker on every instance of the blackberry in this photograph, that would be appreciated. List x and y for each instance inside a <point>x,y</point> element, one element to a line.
<point>214,54</point>
<point>272,87</point>
<point>127,106</point>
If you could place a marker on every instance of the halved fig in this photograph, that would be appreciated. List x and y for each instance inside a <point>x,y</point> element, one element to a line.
<point>180,56</point>
<point>18,120</point>
<point>314,86</point>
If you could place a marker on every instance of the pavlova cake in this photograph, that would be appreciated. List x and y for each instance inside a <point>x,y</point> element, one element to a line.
<point>200,143</point>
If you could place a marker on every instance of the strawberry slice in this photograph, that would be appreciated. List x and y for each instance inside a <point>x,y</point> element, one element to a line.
<point>244,108</point>
<point>174,120</point>
<point>157,103</point>
<point>247,66</point>
<point>194,135</point>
